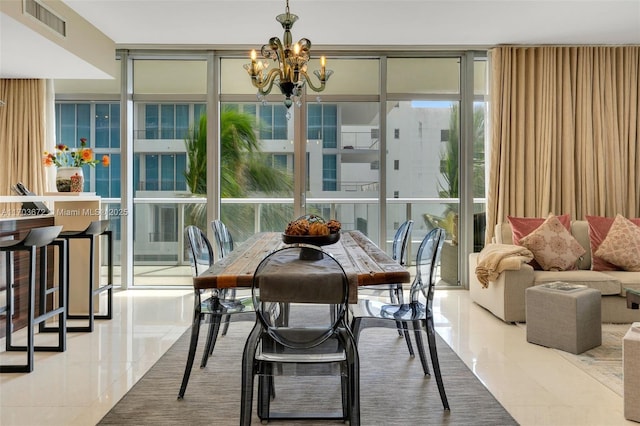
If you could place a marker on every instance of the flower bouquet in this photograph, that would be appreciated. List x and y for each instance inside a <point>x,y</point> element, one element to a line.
<point>69,162</point>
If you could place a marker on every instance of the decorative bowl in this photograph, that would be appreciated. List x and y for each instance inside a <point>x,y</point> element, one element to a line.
<point>316,240</point>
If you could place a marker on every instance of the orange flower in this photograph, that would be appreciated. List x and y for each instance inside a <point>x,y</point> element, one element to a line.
<point>77,157</point>
<point>86,154</point>
<point>106,160</point>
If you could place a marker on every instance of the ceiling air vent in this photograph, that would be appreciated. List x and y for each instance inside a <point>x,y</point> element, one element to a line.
<point>46,16</point>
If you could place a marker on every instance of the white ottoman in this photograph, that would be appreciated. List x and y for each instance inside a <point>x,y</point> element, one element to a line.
<point>564,316</point>
<point>631,372</point>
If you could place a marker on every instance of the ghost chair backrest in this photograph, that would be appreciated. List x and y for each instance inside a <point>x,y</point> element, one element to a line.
<point>224,241</point>
<point>401,241</point>
<point>427,261</point>
<point>199,248</point>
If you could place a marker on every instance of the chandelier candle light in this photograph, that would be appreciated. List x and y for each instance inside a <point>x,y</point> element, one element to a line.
<point>291,74</point>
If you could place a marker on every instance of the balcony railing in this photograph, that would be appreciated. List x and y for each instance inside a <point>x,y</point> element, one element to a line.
<point>155,241</point>
<point>359,140</point>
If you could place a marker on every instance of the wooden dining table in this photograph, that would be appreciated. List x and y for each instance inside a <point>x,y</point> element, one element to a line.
<point>363,261</point>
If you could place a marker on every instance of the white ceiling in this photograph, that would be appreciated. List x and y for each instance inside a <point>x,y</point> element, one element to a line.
<point>330,23</point>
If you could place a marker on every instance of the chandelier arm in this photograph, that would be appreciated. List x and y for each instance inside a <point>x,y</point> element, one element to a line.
<point>279,49</point>
<point>264,87</point>
<point>276,45</point>
<point>310,83</point>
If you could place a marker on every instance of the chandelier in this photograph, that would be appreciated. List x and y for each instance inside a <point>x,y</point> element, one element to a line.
<point>291,74</point>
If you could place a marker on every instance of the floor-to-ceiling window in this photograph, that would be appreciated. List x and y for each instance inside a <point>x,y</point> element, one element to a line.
<point>256,180</point>
<point>169,99</point>
<point>479,161</point>
<point>383,143</point>
<point>343,155</point>
<point>99,124</point>
<point>426,142</point>
<point>342,145</point>
<point>423,103</point>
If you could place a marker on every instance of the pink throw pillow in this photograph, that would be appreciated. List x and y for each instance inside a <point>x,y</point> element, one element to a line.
<point>622,245</point>
<point>598,229</point>
<point>553,246</point>
<point>523,226</point>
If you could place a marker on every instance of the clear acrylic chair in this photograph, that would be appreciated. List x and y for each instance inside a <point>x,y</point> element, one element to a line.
<point>300,330</point>
<point>224,246</point>
<point>418,312</point>
<point>399,251</point>
<point>224,241</point>
<point>216,306</point>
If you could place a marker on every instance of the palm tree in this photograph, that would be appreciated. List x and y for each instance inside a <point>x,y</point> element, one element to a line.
<point>450,165</point>
<point>196,144</point>
<point>243,170</point>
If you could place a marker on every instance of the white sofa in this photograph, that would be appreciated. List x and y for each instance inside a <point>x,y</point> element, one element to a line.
<point>505,297</point>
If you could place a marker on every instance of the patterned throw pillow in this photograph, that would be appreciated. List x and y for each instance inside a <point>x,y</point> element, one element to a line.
<point>553,246</point>
<point>598,229</point>
<point>621,247</point>
<point>523,226</point>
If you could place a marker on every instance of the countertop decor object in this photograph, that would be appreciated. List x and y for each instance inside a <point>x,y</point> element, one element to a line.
<point>70,177</point>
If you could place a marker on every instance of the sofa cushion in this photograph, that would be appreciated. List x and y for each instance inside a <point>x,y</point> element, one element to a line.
<point>553,246</point>
<point>627,280</point>
<point>621,246</point>
<point>607,284</point>
<point>523,226</point>
<point>579,229</point>
<point>598,229</point>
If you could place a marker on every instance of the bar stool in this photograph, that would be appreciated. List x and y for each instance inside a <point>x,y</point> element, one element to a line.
<point>94,230</point>
<point>37,238</point>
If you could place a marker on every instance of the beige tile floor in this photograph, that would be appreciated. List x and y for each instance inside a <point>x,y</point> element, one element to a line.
<point>77,387</point>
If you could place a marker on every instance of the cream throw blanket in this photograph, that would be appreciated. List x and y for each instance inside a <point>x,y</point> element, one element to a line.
<point>495,258</point>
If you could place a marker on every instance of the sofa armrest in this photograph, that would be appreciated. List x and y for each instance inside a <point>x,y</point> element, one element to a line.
<point>504,297</point>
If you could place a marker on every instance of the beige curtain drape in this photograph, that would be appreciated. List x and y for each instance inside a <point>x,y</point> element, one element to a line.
<point>22,134</point>
<point>565,132</point>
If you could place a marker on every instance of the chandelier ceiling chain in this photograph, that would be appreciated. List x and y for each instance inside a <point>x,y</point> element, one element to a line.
<point>291,74</point>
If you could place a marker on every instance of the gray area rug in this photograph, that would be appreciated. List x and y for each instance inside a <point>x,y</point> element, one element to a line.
<point>604,363</point>
<point>394,390</point>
